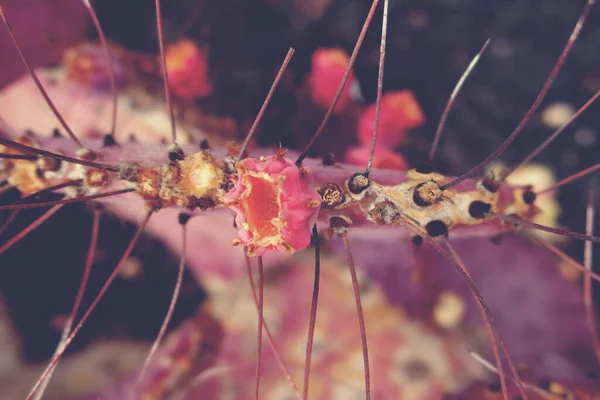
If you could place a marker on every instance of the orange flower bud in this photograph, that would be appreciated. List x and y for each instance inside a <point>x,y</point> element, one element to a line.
<point>187,70</point>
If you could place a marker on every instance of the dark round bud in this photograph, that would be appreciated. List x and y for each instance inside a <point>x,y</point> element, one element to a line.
<point>490,185</point>
<point>427,193</point>
<point>184,218</point>
<point>424,168</point>
<point>176,154</point>
<point>494,387</point>
<point>358,183</point>
<point>329,159</point>
<point>529,197</point>
<point>497,239</point>
<point>479,209</point>
<point>109,140</point>
<point>544,384</point>
<point>436,228</point>
<point>592,374</point>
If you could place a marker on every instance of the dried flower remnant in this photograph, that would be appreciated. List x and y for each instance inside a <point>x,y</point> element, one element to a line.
<point>328,67</point>
<point>200,176</point>
<point>30,175</point>
<point>187,67</point>
<point>194,181</point>
<point>276,205</point>
<point>86,64</point>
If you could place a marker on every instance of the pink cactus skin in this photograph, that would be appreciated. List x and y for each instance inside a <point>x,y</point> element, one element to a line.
<point>155,154</point>
<point>147,154</point>
<point>286,194</point>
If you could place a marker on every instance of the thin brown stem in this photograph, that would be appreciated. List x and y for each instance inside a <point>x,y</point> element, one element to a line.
<point>379,85</point>
<point>489,327</point>
<point>474,290</point>
<point>84,318</point>
<point>532,388</point>
<point>556,231</point>
<point>18,157</point>
<point>163,60</point>
<point>37,81</point>
<point>359,310</point>
<point>263,108</point>
<point>261,285</point>
<point>313,314</point>
<point>459,85</point>
<point>590,313</point>
<point>552,137</point>
<point>560,254</point>
<point>338,94</point>
<point>28,149</point>
<point>8,221</point>
<point>163,328</point>
<point>78,297</point>
<point>75,182</point>
<point>536,104</point>
<point>270,339</point>
<point>40,220</point>
<point>66,201</point>
<point>14,214</point>
<point>570,179</point>
<point>4,188</point>
<point>111,70</point>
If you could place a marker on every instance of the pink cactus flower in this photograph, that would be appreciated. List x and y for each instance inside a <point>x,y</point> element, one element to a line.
<point>328,66</point>
<point>276,205</point>
<point>400,111</point>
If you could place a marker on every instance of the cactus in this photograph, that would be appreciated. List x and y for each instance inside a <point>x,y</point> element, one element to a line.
<point>393,225</point>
